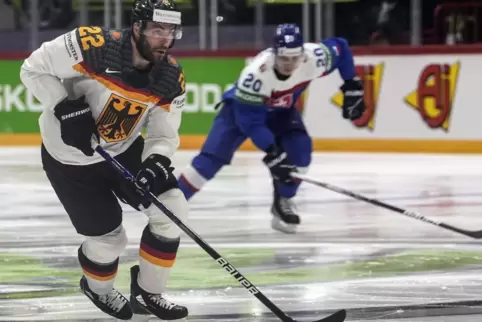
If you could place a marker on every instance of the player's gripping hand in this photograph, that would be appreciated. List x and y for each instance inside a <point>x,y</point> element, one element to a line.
<point>155,169</point>
<point>353,102</point>
<point>277,163</point>
<point>76,124</point>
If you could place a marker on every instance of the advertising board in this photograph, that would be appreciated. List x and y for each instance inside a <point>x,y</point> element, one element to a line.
<point>418,100</point>
<point>19,110</point>
<point>414,102</point>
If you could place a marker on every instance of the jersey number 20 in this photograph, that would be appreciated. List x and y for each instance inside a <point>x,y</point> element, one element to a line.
<point>91,36</point>
<point>250,82</point>
<point>321,57</point>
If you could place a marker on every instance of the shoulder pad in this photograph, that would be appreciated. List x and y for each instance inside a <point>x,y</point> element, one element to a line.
<point>91,41</point>
<point>309,47</point>
<point>250,88</point>
<point>319,55</point>
<point>167,79</point>
<point>254,80</point>
<point>115,50</point>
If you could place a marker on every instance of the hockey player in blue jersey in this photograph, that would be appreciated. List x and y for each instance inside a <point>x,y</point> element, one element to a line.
<point>260,106</point>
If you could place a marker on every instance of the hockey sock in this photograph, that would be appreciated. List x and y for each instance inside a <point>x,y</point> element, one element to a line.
<point>287,190</point>
<point>203,168</point>
<point>157,256</point>
<point>100,277</point>
<point>186,187</point>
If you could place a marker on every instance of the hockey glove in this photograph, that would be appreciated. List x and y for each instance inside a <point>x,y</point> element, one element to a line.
<point>353,99</point>
<point>76,124</point>
<point>277,163</point>
<point>156,169</point>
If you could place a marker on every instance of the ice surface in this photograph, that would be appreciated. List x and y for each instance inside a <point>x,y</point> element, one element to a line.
<point>347,254</point>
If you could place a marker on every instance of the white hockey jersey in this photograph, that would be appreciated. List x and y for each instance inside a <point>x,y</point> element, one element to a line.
<point>259,85</point>
<point>97,63</point>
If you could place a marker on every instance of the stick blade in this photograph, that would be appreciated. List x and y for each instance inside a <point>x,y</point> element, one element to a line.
<point>338,316</point>
<point>475,234</point>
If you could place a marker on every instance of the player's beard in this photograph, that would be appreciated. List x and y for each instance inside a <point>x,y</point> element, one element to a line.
<point>150,54</point>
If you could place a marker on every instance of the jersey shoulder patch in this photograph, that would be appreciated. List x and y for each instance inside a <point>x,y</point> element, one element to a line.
<point>252,86</point>
<point>173,61</point>
<point>178,103</point>
<point>72,47</point>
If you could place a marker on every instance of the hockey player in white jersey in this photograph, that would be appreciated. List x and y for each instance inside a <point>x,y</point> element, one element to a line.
<point>111,84</point>
<point>261,106</point>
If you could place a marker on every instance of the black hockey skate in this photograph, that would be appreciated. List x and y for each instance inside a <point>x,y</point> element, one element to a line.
<point>284,218</point>
<point>113,303</point>
<point>145,303</point>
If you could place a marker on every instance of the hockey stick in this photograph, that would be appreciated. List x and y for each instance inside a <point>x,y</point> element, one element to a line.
<point>470,233</point>
<point>338,316</point>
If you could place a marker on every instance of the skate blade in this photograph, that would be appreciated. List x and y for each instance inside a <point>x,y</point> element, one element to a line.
<point>151,318</point>
<point>279,225</point>
<point>141,318</point>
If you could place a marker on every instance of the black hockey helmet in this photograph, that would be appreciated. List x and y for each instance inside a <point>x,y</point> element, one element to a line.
<point>157,11</point>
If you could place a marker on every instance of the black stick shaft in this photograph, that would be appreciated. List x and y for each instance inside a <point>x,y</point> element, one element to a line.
<point>203,244</point>
<point>412,214</point>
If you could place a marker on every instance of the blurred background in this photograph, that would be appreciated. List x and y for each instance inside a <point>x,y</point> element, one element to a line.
<point>248,24</point>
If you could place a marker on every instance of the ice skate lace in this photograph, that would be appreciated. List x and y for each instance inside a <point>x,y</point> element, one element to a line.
<point>114,300</point>
<point>287,206</point>
<point>162,302</point>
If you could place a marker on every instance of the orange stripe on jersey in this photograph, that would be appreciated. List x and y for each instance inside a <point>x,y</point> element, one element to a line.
<point>123,89</point>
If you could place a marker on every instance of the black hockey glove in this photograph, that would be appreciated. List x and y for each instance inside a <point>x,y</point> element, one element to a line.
<point>353,99</point>
<point>155,170</point>
<point>277,163</point>
<point>76,124</point>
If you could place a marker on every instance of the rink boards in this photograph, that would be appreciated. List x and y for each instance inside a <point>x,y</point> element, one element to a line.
<point>418,100</point>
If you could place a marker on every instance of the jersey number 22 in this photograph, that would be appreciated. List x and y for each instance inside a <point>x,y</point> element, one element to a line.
<point>91,36</point>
